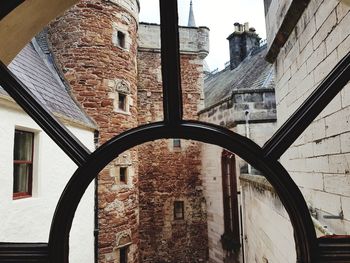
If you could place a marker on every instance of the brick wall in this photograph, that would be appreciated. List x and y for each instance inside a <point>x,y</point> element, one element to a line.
<point>86,48</point>
<point>318,160</point>
<point>167,173</point>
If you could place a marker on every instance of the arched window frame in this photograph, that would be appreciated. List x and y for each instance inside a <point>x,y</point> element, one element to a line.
<point>309,248</point>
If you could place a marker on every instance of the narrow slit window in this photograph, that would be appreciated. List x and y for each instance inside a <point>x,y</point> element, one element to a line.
<point>122,102</point>
<point>121,39</point>
<point>123,255</point>
<point>179,210</point>
<point>123,175</point>
<point>176,143</point>
<point>23,164</point>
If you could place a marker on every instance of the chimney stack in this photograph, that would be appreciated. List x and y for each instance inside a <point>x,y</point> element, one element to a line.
<point>242,41</point>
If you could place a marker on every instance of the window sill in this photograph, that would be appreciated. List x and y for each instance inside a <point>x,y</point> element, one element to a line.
<point>122,48</point>
<point>21,196</point>
<point>122,112</point>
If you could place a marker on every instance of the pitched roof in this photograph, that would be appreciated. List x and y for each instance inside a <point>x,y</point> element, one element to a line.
<point>254,72</point>
<point>33,67</point>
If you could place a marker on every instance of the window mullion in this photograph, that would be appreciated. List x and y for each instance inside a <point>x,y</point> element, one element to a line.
<point>309,110</point>
<point>170,58</point>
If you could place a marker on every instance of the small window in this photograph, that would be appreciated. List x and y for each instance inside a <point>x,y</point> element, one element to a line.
<point>121,39</point>
<point>23,164</point>
<point>123,175</point>
<point>176,143</point>
<point>123,254</point>
<point>122,101</point>
<point>179,212</point>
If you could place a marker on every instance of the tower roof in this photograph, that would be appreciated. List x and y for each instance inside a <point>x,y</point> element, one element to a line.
<point>191,21</point>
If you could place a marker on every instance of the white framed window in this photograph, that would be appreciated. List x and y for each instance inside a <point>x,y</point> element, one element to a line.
<point>23,159</point>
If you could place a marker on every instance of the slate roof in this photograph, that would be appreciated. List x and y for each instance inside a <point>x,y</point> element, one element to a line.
<point>33,67</point>
<point>254,72</point>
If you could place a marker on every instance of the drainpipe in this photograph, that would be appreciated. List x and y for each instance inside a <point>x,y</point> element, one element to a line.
<point>96,142</point>
<point>247,132</point>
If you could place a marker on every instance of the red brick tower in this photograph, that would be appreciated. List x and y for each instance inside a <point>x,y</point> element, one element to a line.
<point>173,222</point>
<point>95,46</point>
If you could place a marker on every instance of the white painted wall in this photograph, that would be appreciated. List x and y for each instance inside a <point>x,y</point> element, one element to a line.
<point>29,219</point>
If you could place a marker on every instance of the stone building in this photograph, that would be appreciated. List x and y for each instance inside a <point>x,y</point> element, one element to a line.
<point>162,196</point>
<point>241,98</point>
<point>34,170</point>
<point>317,161</point>
<point>305,43</point>
<point>148,211</point>
<point>173,226</point>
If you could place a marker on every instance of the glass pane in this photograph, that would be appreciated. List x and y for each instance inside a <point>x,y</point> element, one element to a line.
<point>121,102</point>
<point>23,146</point>
<point>21,178</point>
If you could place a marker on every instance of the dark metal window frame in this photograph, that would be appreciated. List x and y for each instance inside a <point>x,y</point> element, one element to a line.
<point>309,249</point>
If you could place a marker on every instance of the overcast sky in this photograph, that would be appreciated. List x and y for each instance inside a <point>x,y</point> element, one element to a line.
<point>219,16</point>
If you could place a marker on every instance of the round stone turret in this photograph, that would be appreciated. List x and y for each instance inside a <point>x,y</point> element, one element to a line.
<point>95,45</point>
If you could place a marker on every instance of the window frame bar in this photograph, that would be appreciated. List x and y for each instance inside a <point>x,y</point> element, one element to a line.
<point>307,248</point>
<point>287,134</point>
<point>170,61</point>
<point>77,151</point>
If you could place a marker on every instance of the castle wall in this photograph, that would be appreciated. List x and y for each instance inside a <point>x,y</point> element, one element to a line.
<point>95,46</point>
<point>318,160</point>
<point>212,188</point>
<point>232,114</point>
<point>170,173</point>
<point>268,232</point>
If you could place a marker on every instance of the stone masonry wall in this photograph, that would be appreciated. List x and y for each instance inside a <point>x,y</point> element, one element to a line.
<point>167,173</point>
<point>212,185</point>
<point>97,64</point>
<point>231,113</point>
<point>319,160</point>
<point>260,103</point>
<point>268,232</point>
<point>212,188</point>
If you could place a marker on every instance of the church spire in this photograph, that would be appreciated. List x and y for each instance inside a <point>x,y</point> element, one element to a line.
<point>191,21</point>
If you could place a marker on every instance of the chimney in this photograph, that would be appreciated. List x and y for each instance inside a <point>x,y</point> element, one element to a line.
<point>242,41</point>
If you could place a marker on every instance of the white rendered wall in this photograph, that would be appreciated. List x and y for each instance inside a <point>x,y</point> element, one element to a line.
<point>29,219</point>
